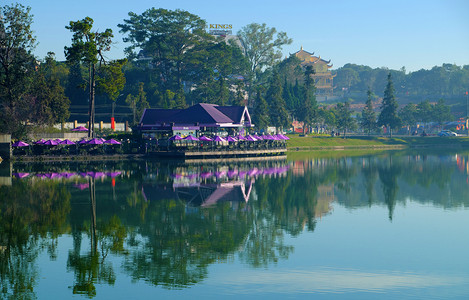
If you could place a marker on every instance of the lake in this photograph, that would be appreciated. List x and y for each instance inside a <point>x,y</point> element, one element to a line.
<point>385,225</point>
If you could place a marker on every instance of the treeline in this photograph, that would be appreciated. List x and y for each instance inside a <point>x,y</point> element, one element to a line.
<point>448,81</point>
<point>172,62</point>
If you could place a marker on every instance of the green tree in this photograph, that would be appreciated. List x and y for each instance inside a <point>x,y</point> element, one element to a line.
<point>17,66</point>
<point>388,116</point>
<point>171,39</point>
<point>326,117</point>
<point>220,68</point>
<point>344,118</point>
<point>49,105</point>
<point>262,45</point>
<point>368,117</point>
<point>347,77</point>
<point>88,47</point>
<point>261,111</point>
<point>441,112</point>
<point>308,107</point>
<point>277,109</point>
<point>54,70</point>
<point>424,111</point>
<point>111,80</point>
<point>408,115</point>
<point>137,103</point>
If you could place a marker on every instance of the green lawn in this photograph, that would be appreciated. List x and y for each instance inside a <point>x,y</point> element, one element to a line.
<point>322,142</point>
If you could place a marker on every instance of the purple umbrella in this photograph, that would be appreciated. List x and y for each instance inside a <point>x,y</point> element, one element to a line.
<point>219,139</point>
<point>220,174</point>
<point>83,142</point>
<point>40,142</point>
<point>113,174</point>
<point>52,175</point>
<point>241,138</point>
<point>231,139</point>
<point>21,175</point>
<point>82,186</point>
<point>206,174</point>
<point>270,137</point>
<point>192,176</point>
<point>50,143</point>
<point>95,142</point>
<point>67,142</point>
<point>276,138</point>
<point>113,142</point>
<point>175,138</point>
<point>191,138</point>
<point>232,173</point>
<point>253,172</point>
<point>251,138</point>
<point>67,174</point>
<point>257,137</point>
<point>204,138</point>
<point>57,140</point>
<point>80,128</point>
<point>284,137</point>
<point>279,137</point>
<point>96,174</point>
<point>20,144</point>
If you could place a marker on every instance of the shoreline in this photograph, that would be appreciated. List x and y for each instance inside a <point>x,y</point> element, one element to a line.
<point>295,144</point>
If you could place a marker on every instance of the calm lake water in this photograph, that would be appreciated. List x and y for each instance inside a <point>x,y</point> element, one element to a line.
<point>390,225</point>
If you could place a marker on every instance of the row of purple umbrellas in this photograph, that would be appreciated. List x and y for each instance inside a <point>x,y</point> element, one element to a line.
<point>236,173</point>
<point>69,174</point>
<point>251,138</point>
<point>95,141</point>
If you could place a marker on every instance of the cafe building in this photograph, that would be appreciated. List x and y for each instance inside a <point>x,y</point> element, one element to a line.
<point>202,118</point>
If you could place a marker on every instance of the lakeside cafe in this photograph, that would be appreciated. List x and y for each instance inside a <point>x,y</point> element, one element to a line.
<point>200,119</point>
<point>209,128</point>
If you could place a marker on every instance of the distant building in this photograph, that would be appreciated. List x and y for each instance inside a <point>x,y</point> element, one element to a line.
<point>323,77</point>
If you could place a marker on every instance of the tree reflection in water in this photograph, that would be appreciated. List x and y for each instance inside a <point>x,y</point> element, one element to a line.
<point>32,216</point>
<point>169,222</point>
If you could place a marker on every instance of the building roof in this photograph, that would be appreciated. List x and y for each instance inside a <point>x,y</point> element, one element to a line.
<point>309,58</point>
<point>158,115</point>
<point>235,113</point>
<point>202,113</point>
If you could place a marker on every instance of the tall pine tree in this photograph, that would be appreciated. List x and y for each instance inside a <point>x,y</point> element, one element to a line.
<point>388,116</point>
<point>308,108</point>
<point>368,117</point>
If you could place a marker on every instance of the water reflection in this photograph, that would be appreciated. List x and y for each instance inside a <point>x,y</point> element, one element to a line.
<point>168,222</point>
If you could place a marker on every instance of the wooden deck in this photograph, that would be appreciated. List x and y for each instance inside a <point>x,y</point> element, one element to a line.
<point>218,153</point>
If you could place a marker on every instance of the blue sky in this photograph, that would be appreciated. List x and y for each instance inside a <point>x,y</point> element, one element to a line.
<point>414,33</point>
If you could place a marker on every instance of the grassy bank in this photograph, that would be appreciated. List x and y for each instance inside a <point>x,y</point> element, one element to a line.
<point>308,154</point>
<point>326,142</point>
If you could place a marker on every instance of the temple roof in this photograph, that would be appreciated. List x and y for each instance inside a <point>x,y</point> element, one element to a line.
<point>309,58</point>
